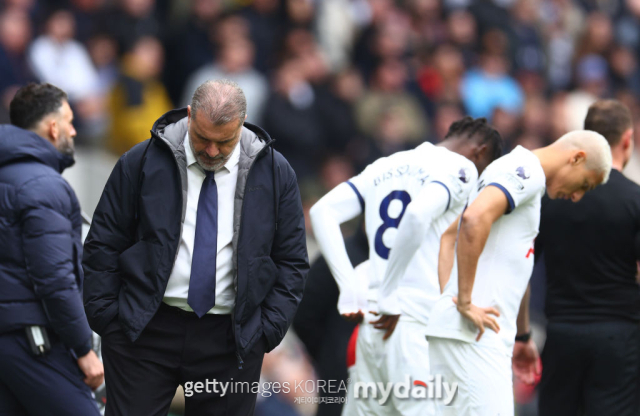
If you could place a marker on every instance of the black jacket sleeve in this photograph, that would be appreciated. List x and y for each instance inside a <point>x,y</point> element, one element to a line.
<point>289,253</point>
<point>49,250</point>
<point>110,234</point>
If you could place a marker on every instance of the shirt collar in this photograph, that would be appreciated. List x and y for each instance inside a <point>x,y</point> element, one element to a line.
<point>191,158</point>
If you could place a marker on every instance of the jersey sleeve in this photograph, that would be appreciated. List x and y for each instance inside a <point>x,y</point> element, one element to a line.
<point>362,183</point>
<point>458,177</point>
<point>517,181</point>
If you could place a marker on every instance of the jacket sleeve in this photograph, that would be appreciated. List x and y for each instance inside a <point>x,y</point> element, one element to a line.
<point>289,253</point>
<point>110,234</point>
<point>49,250</point>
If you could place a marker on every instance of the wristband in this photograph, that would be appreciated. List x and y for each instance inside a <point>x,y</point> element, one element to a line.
<point>523,337</point>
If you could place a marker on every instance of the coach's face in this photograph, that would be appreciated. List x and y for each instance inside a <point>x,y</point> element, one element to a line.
<point>212,145</point>
<point>573,180</point>
<point>61,130</point>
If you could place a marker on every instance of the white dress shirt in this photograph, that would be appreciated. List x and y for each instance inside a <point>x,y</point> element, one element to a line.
<point>178,286</point>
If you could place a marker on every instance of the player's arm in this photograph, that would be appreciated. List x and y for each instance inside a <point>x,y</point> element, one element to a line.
<point>522,323</point>
<point>475,226</point>
<point>447,253</point>
<point>429,205</point>
<point>525,359</point>
<point>340,205</point>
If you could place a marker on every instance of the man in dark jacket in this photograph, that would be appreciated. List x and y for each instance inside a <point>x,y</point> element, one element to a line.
<point>171,311</point>
<point>40,271</point>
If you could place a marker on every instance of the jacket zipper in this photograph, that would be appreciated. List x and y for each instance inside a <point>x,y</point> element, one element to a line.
<point>233,315</point>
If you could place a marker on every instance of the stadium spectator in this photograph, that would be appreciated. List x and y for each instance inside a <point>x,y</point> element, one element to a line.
<point>129,20</point>
<point>235,62</point>
<point>592,352</point>
<point>168,311</point>
<point>191,45</point>
<point>489,86</point>
<point>138,96</point>
<point>47,366</point>
<point>15,35</point>
<point>293,119</point>
<point>58,58</point>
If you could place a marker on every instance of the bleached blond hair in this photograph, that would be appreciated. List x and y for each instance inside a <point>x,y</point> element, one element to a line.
<point>595,146</point>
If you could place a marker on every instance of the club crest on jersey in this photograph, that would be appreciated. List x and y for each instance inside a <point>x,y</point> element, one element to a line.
<point>523,172</point>
<point>463,175</point>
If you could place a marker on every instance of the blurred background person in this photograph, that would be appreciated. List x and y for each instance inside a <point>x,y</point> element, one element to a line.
<point>138,95</point>
<point>235,62</point>
<point>15,35</point>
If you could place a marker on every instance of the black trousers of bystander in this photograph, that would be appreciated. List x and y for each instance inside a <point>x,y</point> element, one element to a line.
<point>590,369</point>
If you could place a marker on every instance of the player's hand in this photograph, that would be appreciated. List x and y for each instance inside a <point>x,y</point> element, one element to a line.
<point>352,301</point>
<point>526,361</point>
<point>480,317</point>
<point>353,317</point>
<point>92,368</point>
<point>387,323</point>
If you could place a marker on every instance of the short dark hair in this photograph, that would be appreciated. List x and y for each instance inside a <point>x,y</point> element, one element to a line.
<point>34,102</point>
<point>477,128</point>
<point>610,118</point>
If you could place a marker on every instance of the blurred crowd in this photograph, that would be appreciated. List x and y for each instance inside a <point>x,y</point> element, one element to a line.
<point>337,83</point>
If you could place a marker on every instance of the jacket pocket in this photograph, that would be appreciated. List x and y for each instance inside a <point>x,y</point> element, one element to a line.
<point>138,265</point>
<point>262,276</point>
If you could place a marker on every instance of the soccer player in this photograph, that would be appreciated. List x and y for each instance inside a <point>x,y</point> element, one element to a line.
<point>494,263</point>
<point>444,175</point>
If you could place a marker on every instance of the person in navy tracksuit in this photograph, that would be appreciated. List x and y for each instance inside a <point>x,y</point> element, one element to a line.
<point>40,263</point>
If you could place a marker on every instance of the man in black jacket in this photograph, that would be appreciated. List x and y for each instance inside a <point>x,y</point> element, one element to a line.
<point>592,352</point>
<point>196,260</point>
<point>40,272</point>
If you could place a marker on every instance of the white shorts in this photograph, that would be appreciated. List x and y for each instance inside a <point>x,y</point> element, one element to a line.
<point>485,386</point>
<point>403,358</point>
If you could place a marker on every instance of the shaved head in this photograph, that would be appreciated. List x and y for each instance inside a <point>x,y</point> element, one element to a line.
<point>595,146</point>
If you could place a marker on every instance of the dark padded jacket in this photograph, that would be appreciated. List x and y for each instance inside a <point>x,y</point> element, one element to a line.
<point>40,240</point>
<point>135,235</point>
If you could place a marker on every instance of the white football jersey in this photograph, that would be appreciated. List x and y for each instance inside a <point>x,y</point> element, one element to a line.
<point>385,188</point>
<point>506,263</point>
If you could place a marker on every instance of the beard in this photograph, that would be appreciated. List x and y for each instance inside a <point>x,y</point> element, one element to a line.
<point>210,164</point>
<point>65,146</point>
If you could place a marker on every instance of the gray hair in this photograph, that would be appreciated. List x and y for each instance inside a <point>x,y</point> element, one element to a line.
<point>222,100</point>
<point>598,151</point>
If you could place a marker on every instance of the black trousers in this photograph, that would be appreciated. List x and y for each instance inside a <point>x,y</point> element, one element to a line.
<point>48,385</point>
<point>590,369</point>
<point>175,348</point>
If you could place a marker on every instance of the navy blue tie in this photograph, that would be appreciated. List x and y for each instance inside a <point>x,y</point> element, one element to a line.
<point>202,284</point>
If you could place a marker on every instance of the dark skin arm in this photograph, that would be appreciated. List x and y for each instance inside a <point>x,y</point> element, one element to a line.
<point>387,323</point>
<point>447,253</point>
<point>476,224</point>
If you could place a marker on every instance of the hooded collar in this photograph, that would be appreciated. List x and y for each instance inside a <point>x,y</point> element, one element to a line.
<point>171,128</point>
<point>17,144</point>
